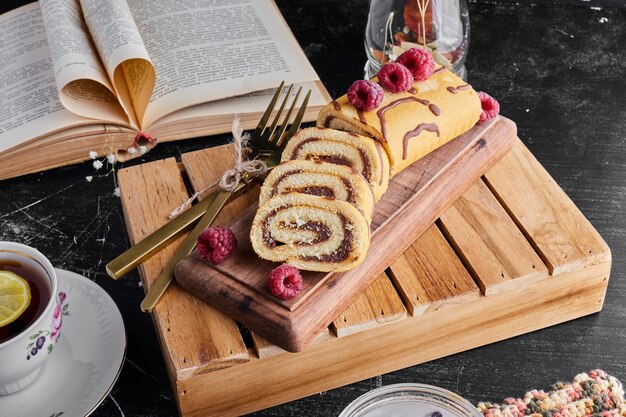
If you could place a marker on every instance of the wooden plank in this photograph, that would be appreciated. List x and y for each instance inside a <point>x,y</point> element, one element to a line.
<point>560,233</point>
<point>495,251</point>
<point>378,304</point>
<point>425,273</point>
<point>205,168</point>
<point>429,275</point>
<point>415,198</point>
<point>322,366</point>
<point>149,193</point>
<point>265,349</point>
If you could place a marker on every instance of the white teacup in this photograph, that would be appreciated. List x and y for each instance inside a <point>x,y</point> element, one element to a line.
<point>23,355</point>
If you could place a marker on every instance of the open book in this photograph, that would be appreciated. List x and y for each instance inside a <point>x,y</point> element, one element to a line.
<point>90,75</point>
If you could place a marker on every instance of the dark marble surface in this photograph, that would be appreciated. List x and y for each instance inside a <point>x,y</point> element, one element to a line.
<point>556,70</point>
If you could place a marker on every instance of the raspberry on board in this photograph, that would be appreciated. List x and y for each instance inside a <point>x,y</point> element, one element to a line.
<point>490,107</point>
<point>395,77</point>
<point>419,61</point>
<point>216,244</point>
<point>365,94</point>
<point>285,282</point>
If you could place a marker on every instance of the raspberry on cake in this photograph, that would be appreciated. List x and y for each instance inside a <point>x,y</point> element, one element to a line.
<point>419,61</point>
<point>490,107</point>
<point>395,77</point>
<point>365,94</point>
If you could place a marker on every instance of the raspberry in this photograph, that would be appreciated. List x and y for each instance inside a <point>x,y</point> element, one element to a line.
<point>285,282</point>
<point>216,244</point>
<point>365,95</point>
<point>419,61</point>
<point>395,77</point>
<point>490,107</point>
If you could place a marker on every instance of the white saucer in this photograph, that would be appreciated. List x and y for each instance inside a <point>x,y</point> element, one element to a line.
<point>85,362</point>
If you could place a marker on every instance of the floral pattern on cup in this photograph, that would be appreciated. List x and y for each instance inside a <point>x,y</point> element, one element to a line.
<point>40,338</point>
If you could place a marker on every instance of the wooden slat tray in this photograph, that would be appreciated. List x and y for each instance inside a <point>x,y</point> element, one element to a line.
<point>416,197</point>
<point>512,255</point>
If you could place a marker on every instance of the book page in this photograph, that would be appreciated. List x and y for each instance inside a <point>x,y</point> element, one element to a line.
<point>123,54</point>
<point>29,101</point>
<point>214,49</point>
<point>254,103</point>
<point>82,83</point>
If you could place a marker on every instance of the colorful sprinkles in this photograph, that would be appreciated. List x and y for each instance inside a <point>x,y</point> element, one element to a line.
<point>595,394</point>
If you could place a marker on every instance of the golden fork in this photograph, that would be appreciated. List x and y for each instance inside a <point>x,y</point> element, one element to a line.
<point>131,258</point>
<point>266,144</point>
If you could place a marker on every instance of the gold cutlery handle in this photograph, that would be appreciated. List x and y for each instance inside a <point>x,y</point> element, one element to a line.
<point>167,276</point>
<point>156,241</point>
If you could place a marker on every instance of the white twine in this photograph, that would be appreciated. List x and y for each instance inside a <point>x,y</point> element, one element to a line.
<point>231,178</point>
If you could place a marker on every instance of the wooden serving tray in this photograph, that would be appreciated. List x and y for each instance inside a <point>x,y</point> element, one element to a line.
<point>416,197</point>
<point>512,255</point>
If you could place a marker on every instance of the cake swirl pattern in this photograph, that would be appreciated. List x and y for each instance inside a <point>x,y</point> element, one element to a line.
<point>310,232</point>
<point>363,154</point>
<point>320,179</point>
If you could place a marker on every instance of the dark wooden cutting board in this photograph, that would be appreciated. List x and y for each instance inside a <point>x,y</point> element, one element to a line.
<point>415,199</point>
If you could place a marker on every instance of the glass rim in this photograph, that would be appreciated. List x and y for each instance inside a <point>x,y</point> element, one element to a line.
<point>429,391</point>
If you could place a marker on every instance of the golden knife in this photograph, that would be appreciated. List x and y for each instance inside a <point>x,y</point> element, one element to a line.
<point>167,275</point>
<point>156,241</point>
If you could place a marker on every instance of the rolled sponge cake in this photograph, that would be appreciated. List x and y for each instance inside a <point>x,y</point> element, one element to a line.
<point>310,232</point>
<point>321,179</point>
<point>411,124</point>
<point>361,153</point>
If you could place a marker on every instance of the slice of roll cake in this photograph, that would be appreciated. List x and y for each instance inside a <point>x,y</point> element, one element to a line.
<point>411,124</point>
<point>321,179</point>
<point>310,232</point>
<point>342,148</point>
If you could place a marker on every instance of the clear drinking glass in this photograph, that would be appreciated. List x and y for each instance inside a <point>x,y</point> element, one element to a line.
<point>396,25</point>
<point>410,400</point>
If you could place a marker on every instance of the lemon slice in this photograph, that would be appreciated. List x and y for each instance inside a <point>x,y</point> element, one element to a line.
<point>14,297</point>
